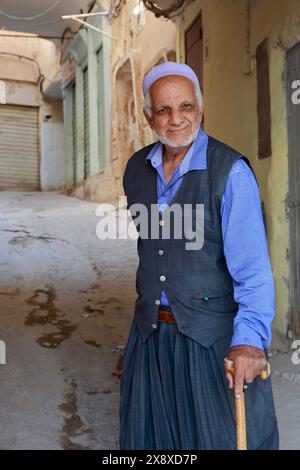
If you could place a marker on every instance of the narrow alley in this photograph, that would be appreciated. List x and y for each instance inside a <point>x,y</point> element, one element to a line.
<point>65,305</point>
<point>76,102</point>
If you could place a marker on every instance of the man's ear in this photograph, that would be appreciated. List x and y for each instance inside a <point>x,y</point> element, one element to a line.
<point>148,118</point>
<point>201,110</point>
<point>203,105</point>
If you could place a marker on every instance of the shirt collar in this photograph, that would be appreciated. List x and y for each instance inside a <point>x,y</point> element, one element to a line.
<point>194,159</point>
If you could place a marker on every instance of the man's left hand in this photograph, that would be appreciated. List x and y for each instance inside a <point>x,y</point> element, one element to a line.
<point>248,363</point>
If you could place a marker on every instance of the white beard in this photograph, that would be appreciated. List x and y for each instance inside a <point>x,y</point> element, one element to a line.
<point>185,143</point>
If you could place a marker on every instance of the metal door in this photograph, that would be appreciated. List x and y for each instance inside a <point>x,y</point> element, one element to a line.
<point>293,74</point>
<point>74,133</point>
<point>19,148</point>
<point>86,124</point>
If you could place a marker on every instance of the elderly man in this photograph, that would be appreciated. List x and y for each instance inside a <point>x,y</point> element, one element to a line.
<point>195,306</point>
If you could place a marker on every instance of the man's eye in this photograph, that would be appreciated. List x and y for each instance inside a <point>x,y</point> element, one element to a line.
<point>163,110</point>
<point>186,105</point>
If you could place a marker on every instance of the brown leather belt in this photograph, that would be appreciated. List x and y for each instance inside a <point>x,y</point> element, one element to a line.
<point>166,316</point>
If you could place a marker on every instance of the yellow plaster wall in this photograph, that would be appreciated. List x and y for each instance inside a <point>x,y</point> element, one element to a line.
<point>230,99</point>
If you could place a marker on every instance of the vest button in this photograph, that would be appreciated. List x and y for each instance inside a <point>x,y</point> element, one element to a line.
<point>162,278</point>
<point>161,222</point>
<point>154,326</point>
<point>157,302</point>
<point>160,252</point>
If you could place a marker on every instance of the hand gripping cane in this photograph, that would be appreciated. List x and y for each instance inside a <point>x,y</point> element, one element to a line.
<point>240,415</point>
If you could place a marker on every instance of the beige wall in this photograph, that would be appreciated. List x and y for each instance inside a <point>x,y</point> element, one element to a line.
<point>42,51</point>
<point>28,65</point>
<point>140,45</point>
<point>230,98</point>
<point>140,42</point>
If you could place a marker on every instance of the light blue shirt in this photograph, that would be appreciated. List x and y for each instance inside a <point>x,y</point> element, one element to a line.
<point>244,237</point>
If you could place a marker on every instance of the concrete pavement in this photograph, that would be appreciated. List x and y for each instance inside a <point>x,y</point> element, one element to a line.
<point>65,300</point>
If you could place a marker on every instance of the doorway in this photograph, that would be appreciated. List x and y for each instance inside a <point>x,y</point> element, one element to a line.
<point>293,109</point>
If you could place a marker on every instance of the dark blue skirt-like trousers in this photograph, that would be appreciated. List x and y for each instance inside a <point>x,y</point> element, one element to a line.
<point>174,396</point>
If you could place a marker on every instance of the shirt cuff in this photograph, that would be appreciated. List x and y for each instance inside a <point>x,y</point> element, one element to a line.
<point>243,335</point>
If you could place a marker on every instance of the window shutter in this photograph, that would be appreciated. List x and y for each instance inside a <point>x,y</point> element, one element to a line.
<point>263,100</point>
<point>194,48</point>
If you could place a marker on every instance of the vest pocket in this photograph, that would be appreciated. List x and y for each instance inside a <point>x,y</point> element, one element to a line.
<point>220,303</point>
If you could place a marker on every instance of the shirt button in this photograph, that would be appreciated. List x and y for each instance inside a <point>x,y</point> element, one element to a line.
<point>154,326</point>
<point>162,278</point>
<point>160,252</point>
<point>157,302</point>
<point>161,222</point>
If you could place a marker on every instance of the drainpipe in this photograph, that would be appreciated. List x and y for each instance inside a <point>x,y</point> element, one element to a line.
<point>178,22</point>
<point>135,99</point>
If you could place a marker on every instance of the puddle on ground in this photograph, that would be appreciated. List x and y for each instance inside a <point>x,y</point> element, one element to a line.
<point>46,313</point>
<point>96,270</point>
<point>89,309</point>
<point>73,425</point>
<point>25,240</point>
<point>109,300</point>
<point>95,286</point>
<point>10,291</point>
<point>92,343</point>
<point>15,231</point>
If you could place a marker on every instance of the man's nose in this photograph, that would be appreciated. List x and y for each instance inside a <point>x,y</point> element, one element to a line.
<point>175,118</point>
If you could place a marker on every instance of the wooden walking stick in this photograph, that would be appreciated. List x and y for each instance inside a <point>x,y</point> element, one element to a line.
<point>240,415</point>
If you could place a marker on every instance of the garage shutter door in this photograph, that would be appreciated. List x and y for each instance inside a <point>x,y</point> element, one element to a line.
<point>74,132</point>
<point>86,124</point>
<point>19,157</point>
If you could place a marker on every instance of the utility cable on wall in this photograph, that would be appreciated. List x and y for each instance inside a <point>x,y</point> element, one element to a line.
<point>41,76</point>
<point>30,17</point>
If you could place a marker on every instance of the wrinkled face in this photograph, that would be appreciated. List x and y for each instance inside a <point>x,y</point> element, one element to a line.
<point>176,115</point>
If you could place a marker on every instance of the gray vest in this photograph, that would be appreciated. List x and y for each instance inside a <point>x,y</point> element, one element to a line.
<point>197,283</point>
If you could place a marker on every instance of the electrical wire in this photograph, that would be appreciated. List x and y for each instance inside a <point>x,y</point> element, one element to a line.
<point>37,36</point>
<point>30,17</point>
<point>20,56</point>
<point>26,25</point>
